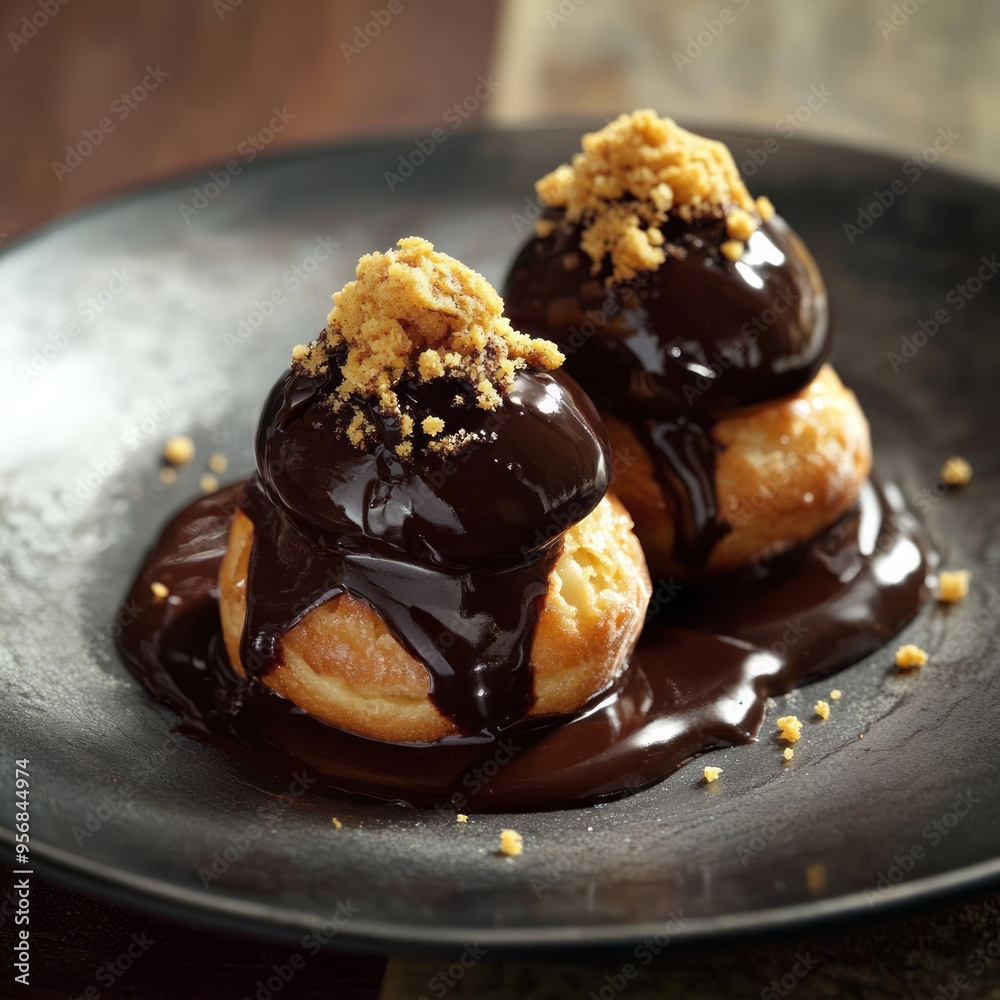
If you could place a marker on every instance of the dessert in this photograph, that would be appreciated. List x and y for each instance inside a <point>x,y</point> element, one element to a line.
<point>698,322</point>
<point>426,594</point>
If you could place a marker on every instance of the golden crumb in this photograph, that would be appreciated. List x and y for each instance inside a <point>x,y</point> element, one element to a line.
<point>218,463</point>
<point>956,471</point>
<point>336,822</point>
<point>461,818</point>
<point>414,312</point>
<point>432,426</point>
<point>836,694</point>
<point>404,449</point>
<point>300,352</point>
<point>544,227</point>
<point>740,224</point>
<point>208,483</point>
<point>816,878</point>
<point>179,449</point>
<point>790,728</point>
<point>953,586</point>
<point>789,753</point>
<point>822,709</point>
<point>511,843</point>
<point>732,250</point>
<point>910,656</point>
<point>160,591</point>
<point>630,176</point>
<point>711,773</point>
<point>168,476</point>
<point>765,208</point>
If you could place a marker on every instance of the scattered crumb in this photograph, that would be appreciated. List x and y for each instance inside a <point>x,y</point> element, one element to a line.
<point>823,709</point>
<point>461,818</point>
<point>861,736</point>
<point>711,773</point>
<point>909,656</point>
<point>511,843</point>
<point>789,753</point>
<point>816,878</point>
<point>159,590</point>
<point>179,449</point>
<point>765,208</point>
<point>836,694</point>
<point>208,483</point>
<point>168,476</point>
<point>336,822</point>
<point>953,586</point>
<point>218,463</point>
<point>414,313</point>
<point>790,728</point>
<point>956,471</point>
<point>630,176</point>
<point>732,250</point>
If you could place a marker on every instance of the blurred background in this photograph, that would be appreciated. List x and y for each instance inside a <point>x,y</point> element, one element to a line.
<point>101,95</point>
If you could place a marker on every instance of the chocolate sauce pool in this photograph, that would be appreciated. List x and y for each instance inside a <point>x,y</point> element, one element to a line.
<point>675,349</point>
<point>708,659</point>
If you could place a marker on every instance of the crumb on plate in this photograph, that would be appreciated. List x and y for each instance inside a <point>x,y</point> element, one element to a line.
<point>956,471</point>
<point>909,656</point>
<point>511,843</point>
<point>179,449</point>
<point>790,728</point>
<point>953,586</point>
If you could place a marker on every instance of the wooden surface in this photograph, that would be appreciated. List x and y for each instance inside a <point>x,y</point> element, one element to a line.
<point>220,69</point>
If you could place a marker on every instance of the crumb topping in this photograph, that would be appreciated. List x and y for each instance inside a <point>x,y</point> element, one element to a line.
<point>414,313</point>
<point>790,728</point>
<point>953,586</point>
<point>336,822</point>
<point>711,773</point>
<point>910,656</point>
<point>160,591</point>
<point>208,483</point>
<point>789,753</point>
<point>511,843</point>
<point>836,694</point>
<point>822,709</point>
<point>461,818</point>
<point>956,471</point>
<point>635,172</point>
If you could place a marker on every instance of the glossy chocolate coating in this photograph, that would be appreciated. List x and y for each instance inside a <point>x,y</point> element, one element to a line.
<point>677,347</point>
<point>452,552</point>
<point>705,666</point>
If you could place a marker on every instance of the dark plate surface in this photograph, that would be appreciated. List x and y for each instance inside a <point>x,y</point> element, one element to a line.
<point>183,318</point>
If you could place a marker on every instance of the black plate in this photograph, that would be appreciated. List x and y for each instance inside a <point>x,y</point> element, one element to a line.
<point>186,301</point>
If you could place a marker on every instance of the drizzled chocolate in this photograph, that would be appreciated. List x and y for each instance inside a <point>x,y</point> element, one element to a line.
<point>674,349</point>
<point>705,666</point>
<point>452,550</point>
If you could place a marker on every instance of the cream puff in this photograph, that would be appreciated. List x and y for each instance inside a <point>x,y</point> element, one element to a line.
<point>428,549</point>
<point>698,322</point>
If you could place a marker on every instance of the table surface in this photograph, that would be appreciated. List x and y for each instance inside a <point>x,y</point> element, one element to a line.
<point>80,943</point>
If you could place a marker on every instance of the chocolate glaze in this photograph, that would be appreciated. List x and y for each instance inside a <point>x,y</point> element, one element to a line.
<point>453,552</point>
<point>676,348</point>
<point>708,659</point>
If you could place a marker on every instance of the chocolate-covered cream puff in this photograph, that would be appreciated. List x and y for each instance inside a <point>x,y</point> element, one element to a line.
<point>698,322</point>
<point>427,549</point>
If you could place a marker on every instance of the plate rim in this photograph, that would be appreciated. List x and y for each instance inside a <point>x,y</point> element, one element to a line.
<point>283,923</point>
